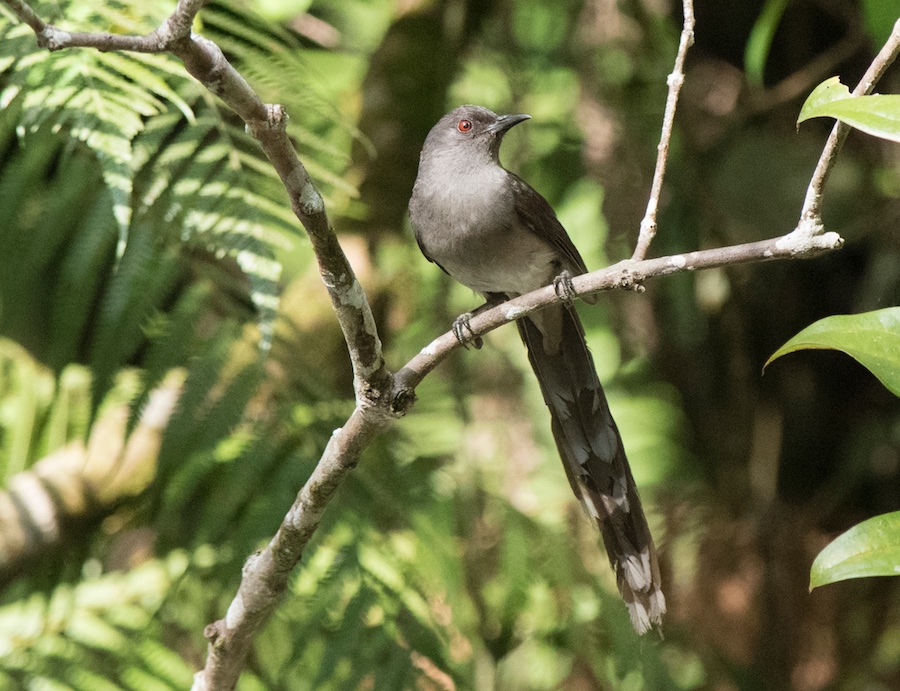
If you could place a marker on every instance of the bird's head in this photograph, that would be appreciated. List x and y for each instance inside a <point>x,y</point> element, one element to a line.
<point>471,131</point>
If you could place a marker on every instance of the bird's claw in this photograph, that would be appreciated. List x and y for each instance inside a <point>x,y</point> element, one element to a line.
<point>462,329</point>
<point>564,288</point>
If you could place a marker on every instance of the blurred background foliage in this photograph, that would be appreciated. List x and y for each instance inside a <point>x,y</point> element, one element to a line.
<point>147,247</point>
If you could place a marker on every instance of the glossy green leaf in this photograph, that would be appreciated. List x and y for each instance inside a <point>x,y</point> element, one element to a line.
<point>871,548</point>
<point>827,92</point>
<point>871,338</point>
<point>878,115</point>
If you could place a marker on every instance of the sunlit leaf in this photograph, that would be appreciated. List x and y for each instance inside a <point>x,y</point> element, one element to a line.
<point>871,338</point>
<point>878,115</point>
<point>827,92</point>
<point>871,548</point>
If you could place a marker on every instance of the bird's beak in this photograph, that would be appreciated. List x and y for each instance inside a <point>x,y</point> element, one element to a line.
<point>504,122</point>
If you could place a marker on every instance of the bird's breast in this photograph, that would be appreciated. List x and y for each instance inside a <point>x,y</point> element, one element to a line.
<point>475,235</point>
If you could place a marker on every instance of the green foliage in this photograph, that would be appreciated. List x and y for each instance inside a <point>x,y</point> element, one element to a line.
<point>873,339</point>
<point>871,548</point>
<point>176,171</point>
<point>38,413</point>
<point>102,633</point>
<point>759,42</point>
<point>877,115</point>
<point>98,98</point>
<point>454,555</point>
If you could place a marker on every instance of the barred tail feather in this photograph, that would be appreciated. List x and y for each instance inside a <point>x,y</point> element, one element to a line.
<point>594,457</point>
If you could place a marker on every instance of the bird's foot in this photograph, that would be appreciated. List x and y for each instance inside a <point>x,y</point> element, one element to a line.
<point>565,289</point>
<point>463,332</point>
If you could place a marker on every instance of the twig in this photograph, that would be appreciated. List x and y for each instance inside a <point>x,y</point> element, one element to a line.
<point>266,573</point>
<point>811,214</point>
<point>205,61</point>
<point>626,274</point>
<point>675,81</point>
<point>380,396</point>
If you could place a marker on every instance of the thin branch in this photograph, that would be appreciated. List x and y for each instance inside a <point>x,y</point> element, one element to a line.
<point>675,82</point>
<point>811,215</point>
<point>205,61</point>
<point>626,274</point>
<point>380,397</point>
<point>266,573</point>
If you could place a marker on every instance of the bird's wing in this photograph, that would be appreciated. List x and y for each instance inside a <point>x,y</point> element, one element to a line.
<point>537,214</point>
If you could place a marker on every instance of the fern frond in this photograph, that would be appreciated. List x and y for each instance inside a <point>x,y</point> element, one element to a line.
<point>78,636</point>
<point>79,279</point>
<point>160,139</point>
<point>145,274</point>
<point>210,183</point>
<point>101,99</point>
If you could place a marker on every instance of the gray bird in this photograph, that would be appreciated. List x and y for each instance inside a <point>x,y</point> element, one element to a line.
<point>491,231</point>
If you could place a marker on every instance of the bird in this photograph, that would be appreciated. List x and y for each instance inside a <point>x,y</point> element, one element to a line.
<point>494,233</point>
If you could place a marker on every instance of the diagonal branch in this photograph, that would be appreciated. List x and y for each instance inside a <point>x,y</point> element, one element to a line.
<point>811,215</point>
<point>626,274</point>
<point>205,61</point>
<point>380,396</point>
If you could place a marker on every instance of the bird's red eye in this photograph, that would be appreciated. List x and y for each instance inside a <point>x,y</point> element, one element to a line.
<point>464,125</point>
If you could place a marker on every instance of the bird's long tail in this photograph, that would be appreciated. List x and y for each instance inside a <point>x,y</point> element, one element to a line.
<point>592,453</point>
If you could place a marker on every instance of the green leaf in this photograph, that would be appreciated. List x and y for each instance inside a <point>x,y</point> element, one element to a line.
<point>760,40</point>
<point>871,338</point>
<point>871,548</point>
<point>824,94</point>
<point>878,115</point>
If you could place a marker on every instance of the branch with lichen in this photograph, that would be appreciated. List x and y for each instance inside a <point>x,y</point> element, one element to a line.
<point>648,225</point>
<point>382,396</point>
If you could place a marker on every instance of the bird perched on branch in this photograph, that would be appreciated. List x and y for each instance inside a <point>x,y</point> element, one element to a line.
<point>491,231</point>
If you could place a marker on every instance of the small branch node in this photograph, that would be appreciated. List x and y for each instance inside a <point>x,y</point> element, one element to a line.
<point>275,120</point>
<point>213,632</point>
<point>809,226</point>
<point>311,202</point>
<point>404,399</point>
<point>675,80</point>
<point>52,38</point>
<point>629,278</point>
<point>808,238</point>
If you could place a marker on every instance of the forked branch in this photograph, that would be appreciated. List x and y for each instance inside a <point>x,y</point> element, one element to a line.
<point>381,396</point>
<point>675,81</point>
